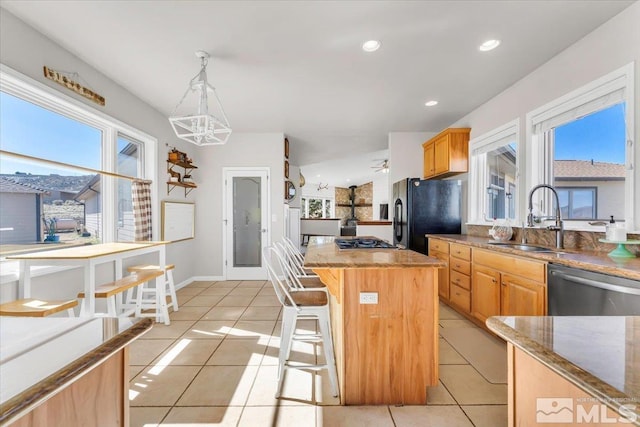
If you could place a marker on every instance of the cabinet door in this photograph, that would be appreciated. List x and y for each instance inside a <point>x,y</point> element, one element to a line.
<point>485,292</point>
<point>522,297</point>
<point>442,154</point>
<point>429,160</point>
<point>443,275</point>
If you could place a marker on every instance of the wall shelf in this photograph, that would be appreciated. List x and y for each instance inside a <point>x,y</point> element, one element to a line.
<point>187,168</point>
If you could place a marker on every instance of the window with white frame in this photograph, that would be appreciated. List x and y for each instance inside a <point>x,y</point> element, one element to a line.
<point>493,175</point>
<point>582,145</point>
<point>66,169</point>
<point>317,207</point>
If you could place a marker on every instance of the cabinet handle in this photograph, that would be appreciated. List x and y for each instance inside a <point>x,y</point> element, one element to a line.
<point>493,280</point>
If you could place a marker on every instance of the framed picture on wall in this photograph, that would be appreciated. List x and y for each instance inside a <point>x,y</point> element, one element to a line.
<point>286,169</point>
<point>286,148</point>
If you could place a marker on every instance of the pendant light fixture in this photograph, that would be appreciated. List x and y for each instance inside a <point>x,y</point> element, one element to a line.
<point>201,127</point>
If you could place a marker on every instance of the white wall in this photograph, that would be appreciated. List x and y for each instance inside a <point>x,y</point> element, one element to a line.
<point>609,47</point>
<point>310,189</point>
<point>405,158</point>
<point>294,176</point>
<point>242,150</point>
<point>380,193</point>
<point>27,51</point>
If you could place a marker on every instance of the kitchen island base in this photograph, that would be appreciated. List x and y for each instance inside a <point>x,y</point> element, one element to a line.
<point>386,352</point>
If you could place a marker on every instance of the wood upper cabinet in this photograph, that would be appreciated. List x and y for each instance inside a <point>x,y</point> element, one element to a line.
<point>447,153</point>
<point>485,285</point>
<point>440,249</point>
<point>429,160</point>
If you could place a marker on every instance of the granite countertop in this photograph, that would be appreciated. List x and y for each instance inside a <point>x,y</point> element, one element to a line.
<point>599,354</point>
<point>39,356</point>
<point>587,260</point>
<point>322,252</point>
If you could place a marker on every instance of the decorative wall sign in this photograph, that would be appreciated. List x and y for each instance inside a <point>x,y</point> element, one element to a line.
<point>286,148</point>
<point>286,169</point>
<point>65,81</point>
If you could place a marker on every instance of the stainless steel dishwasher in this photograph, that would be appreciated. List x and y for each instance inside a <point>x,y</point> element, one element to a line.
<point>576,292</point>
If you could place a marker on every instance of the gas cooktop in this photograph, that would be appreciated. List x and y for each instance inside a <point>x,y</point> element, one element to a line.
<point>362,243</point>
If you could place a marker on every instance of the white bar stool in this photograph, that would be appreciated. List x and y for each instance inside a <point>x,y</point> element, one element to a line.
<point>170,285</point>
<point>301,304</point>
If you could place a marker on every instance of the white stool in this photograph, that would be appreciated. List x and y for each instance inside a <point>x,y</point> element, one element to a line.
<point>170,285</point>
<point>301,304</point>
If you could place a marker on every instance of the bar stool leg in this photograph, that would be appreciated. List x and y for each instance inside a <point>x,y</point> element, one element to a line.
<point>111,306</point>
<point>172,289</point>
<point>327,345</point>
<point>289,317</point>
<point>162,311</point>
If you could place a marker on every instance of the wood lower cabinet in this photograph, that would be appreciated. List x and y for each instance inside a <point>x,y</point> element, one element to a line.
<point>507,285</point>
<point>447,153</point>
<point>486,292</point>
<point>522,297</point>
<point>460,277</point>
<point>440,249</point>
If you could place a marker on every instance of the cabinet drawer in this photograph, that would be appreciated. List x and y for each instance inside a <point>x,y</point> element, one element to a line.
<point>534,270</point>
<point>461,280</point>
<point>461,251</point>
<point>438,245</point>
<point>461,266</point>
<point>461,298</point>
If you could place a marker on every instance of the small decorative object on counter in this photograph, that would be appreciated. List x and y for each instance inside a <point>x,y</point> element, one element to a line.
<point>501,232</point>
<point>616,231</point>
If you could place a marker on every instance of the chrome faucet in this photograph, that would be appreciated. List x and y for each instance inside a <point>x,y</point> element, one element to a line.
<point>558,227</point>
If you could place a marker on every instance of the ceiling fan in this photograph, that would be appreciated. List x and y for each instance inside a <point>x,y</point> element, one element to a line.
<point>382,167</point>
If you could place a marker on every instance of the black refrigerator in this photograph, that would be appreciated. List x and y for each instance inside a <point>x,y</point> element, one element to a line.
<point>425,206</point>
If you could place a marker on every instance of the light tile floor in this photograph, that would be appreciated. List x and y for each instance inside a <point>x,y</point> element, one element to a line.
<point>216,365</point>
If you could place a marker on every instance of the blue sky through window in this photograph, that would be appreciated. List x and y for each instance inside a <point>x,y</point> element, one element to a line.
<point>35,131</point>
<point>599,136</point>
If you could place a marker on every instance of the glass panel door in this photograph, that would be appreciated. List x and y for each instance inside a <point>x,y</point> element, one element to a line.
<point>247,222</point>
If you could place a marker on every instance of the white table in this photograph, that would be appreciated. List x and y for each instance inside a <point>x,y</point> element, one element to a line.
<point>88,257</point>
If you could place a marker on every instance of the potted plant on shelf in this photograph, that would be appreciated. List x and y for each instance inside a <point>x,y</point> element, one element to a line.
<point>50,226</point>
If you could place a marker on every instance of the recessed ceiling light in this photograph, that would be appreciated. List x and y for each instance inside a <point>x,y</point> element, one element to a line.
<point>318,176</point>
<point>348,180</point>
<point>489,45</point>
<point>431,103</point>
<point>371,45</point>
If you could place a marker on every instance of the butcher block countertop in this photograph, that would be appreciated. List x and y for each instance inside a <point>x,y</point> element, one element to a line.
<point>586,260</point>
<point>324,253</point>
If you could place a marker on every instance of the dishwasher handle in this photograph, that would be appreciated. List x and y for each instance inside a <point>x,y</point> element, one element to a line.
<point>597,284</point>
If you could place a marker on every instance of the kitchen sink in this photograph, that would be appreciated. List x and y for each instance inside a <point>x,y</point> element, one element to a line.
<point>522,247</point>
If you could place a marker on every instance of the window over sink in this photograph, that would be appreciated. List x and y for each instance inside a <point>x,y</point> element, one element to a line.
<point>494,175</point>
<point>581,144</point>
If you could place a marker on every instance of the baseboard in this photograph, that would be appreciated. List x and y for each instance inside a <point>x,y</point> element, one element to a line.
<point>199,279</point>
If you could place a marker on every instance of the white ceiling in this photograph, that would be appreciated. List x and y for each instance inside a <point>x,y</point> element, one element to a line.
<point>347,170</point>
<point>297,67</point>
